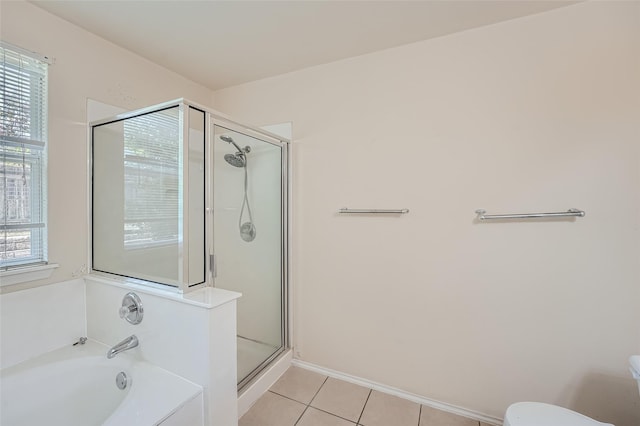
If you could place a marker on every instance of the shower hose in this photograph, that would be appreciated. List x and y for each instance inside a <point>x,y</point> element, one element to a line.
<point>245,200</point>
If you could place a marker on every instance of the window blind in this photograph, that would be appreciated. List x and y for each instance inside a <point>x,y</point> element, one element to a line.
<point>23,135</point>
<point>151,179</point>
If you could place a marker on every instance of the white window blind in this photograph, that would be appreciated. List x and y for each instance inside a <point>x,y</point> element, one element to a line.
<point>151,178</point>
<point>23,135</point>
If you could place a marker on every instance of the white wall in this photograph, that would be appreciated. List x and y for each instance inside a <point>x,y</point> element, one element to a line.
<point>86,66</point>
<point>25,334</point>
<point>536,114</point>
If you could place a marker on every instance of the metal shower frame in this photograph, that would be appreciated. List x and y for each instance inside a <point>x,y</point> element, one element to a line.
<point>211,118</point>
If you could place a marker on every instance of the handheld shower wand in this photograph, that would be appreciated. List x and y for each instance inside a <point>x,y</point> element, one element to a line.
<point>239,159</point>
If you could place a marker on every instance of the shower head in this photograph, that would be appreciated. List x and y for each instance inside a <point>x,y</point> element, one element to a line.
<point>236,160</point>
<point>229,139</point>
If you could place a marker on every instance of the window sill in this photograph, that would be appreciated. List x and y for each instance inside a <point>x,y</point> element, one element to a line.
<point>30,273</point>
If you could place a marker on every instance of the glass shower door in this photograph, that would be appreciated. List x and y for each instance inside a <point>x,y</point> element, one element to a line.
<point>248,221</point>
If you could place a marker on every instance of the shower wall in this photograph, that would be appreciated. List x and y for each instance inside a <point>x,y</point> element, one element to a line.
<point>540,113</point>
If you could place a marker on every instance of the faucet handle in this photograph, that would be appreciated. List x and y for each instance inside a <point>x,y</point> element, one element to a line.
<point>131,309</point>
<point>126,310</point>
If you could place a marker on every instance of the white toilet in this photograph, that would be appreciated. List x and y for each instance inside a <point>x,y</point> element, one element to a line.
<point>541,414</point>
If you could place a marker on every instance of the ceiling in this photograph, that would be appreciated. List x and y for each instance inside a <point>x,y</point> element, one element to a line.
<point>225,43</point>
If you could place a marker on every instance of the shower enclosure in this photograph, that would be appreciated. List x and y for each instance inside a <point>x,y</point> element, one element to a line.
<point>184,197</point>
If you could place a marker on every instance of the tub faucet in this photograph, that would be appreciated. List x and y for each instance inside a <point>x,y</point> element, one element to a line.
<point>128,343</point>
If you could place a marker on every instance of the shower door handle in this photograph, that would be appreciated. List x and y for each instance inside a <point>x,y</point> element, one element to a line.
<point>212,265</point>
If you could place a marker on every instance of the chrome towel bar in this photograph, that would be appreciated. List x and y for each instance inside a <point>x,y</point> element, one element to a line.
<point>571,212</point>
<point>375,211</point>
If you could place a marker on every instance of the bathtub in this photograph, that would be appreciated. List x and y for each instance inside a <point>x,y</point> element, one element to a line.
<point>76,386</point>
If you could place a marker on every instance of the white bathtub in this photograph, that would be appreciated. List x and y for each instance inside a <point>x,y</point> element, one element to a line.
<point>76,386</point>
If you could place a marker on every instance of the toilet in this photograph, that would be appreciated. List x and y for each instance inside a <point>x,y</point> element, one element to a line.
<point>541,414</point>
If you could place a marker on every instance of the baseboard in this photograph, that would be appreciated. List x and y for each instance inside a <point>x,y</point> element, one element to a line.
<point>253,391</point>
<point>399,393</point>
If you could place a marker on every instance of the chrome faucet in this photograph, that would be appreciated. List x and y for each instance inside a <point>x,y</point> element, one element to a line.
<point>128,343</point>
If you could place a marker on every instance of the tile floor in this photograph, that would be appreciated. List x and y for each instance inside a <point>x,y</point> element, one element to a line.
<point>305,398</point>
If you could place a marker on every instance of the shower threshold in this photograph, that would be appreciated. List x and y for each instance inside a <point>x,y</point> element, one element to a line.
<point>253,355</point>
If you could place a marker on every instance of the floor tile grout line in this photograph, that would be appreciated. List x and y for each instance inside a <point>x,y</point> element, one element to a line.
<point>318,391</point>
<point>329,412</point>
<point>289,398</point>
<point>365,406</point>
<point>302,414</point>
<point>309,404</point>
<point>333,414</point>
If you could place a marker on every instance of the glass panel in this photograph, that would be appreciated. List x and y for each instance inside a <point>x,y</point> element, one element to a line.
<point>137,196</point>
<point>248,240</point>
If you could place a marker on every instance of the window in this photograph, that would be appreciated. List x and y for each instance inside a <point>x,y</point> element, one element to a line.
<point>23,136</point>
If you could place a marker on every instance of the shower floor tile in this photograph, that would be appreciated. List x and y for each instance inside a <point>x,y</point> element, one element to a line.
<point>305,398</point>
